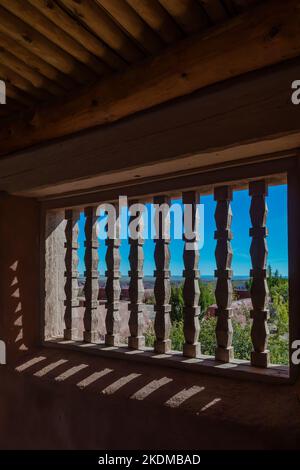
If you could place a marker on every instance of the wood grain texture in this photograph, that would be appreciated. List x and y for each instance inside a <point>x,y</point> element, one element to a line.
<point>37,43</point>
<point>32,75</point>
<point>36,63</point>
<point>187,134</point>
<point>68,24</point>
<point>158,19</point>
<point>39,22</point>
<point>19,96</point>
<point>10,76</point>
<point>49,29</point>
<point>132,24</point>
<point>190,65</point>
<point>87,12</point>
<point>188,14</point>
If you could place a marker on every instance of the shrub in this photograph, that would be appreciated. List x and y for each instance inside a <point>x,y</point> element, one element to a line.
<point>278,343</point>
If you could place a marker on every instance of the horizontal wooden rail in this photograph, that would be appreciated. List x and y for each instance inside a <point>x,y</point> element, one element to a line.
<point>266,35</point>
<point>274,170</point>
<point>237,369</point>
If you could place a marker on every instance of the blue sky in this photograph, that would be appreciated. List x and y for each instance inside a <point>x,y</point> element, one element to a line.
<point>277,239</point>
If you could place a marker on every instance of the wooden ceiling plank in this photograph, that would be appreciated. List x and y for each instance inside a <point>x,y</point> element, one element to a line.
<point>133,25</point>
<point>88,12</point>
<point>215,10</point>
<point>38,21</point>
<point>33,76</point>
<point>191,64</point>
<point>41,46</point>
<point>36,63</point>
<point>187,13</point>
<point>158,19</point>
<point>69,24</point>
<point>10,76</point>
<point>19,96</point>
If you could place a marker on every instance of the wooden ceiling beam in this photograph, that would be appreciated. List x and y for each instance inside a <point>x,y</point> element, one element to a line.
<point>68,24</point>
<point>32,75</point>
<point>188,14</point>
<point>266,36</point>
<point>236,120</point>
<point>19,96</point>
<point>34,18</point>
<point>10,76</point>
<point>89,13</point>
<point>133,25</point>
<point>158,19</point>
<point>42,47</point>
<point>35,62</point>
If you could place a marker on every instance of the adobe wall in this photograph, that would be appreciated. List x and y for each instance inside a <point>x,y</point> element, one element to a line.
<point>55,399</point>
<point>19,274</point>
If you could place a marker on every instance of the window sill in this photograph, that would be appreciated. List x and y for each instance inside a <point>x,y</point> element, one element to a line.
<point>238,369</point>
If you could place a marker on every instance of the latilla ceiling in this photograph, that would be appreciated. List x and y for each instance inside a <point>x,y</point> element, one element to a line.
<point>50,48</point>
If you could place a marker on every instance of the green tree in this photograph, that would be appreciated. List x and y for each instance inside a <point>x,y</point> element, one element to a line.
<point>207,296</point>
<point>207,336</point>
<point>177,303</point>
<point>278,340</point>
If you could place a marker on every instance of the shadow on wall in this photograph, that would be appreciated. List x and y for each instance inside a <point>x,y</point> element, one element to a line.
<point>19,280</point>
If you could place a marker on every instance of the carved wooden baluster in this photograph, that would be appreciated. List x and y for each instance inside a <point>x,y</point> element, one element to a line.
<point>162,287</point>
<point>91,286</point>
<point>136,339</point>
<point>71,273</point>
<point>223,273</point>
<point>191,290</point>
<point>258,190</point>
<point>113,290</point>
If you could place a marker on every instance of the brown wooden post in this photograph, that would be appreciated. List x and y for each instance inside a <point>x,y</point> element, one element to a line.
<point>223,253</point>
<point>294,264</point>
<point>113,289</point>
<point>91,286</point>
<point>162,287</point>
<point>191,290</point>
<point>71,273</point>
<point>136,339</point>
<point>258,191</point>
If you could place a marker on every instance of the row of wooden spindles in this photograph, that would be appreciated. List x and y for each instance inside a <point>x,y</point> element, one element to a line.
<point>162,288</point>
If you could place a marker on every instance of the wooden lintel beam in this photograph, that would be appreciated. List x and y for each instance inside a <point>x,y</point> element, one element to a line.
<point>236,120</point>
<point>266,35</point>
